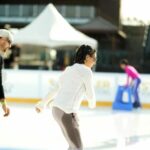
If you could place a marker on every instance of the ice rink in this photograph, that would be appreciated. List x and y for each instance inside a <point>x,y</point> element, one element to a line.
<point>101,128</point>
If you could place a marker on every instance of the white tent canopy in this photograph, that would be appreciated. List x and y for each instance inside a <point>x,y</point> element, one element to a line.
<point>50,29</point>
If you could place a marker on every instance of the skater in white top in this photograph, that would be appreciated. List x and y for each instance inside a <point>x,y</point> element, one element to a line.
<point>75,82</point>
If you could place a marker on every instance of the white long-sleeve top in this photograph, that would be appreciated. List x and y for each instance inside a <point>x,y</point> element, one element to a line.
<point>75,82</point>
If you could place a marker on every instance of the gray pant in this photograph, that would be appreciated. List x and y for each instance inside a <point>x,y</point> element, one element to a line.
<point>70,128</point>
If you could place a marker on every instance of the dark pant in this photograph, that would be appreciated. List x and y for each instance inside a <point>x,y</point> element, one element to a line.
<point>2,96</point>
<point>135,93</point>
<point>70,128</point>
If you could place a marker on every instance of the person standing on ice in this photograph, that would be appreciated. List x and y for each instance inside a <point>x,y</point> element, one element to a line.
<point>6,39</point>
<point>135,81</point>
<point>75,82</point>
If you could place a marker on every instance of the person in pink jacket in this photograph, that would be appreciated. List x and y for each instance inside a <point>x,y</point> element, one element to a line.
<point>133,80</point>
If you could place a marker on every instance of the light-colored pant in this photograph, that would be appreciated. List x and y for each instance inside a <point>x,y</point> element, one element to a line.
<point>70,128</point>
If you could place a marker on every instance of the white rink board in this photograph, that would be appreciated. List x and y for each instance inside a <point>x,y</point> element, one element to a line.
<point>35,84</point>
<point>105,86</point>
<point>47,79</point>
<point>21,84</point>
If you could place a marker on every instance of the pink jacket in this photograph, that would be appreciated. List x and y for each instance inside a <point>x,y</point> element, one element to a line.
<point>131,73</point>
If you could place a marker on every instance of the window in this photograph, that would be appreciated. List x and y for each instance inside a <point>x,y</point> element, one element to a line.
<point>27,11</point>
<point>70,12</point>
<point>59,8</point>
<point>77,11</point>
<point>2,10</point>
<point>14,10</point>
<point>40,8</point>
<point>87,12</point>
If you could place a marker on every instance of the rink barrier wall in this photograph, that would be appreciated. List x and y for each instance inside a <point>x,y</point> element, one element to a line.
<point>29,86</point>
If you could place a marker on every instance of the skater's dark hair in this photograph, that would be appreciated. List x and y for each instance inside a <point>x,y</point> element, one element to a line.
<point>124,62</point>
<point>82,52</point>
